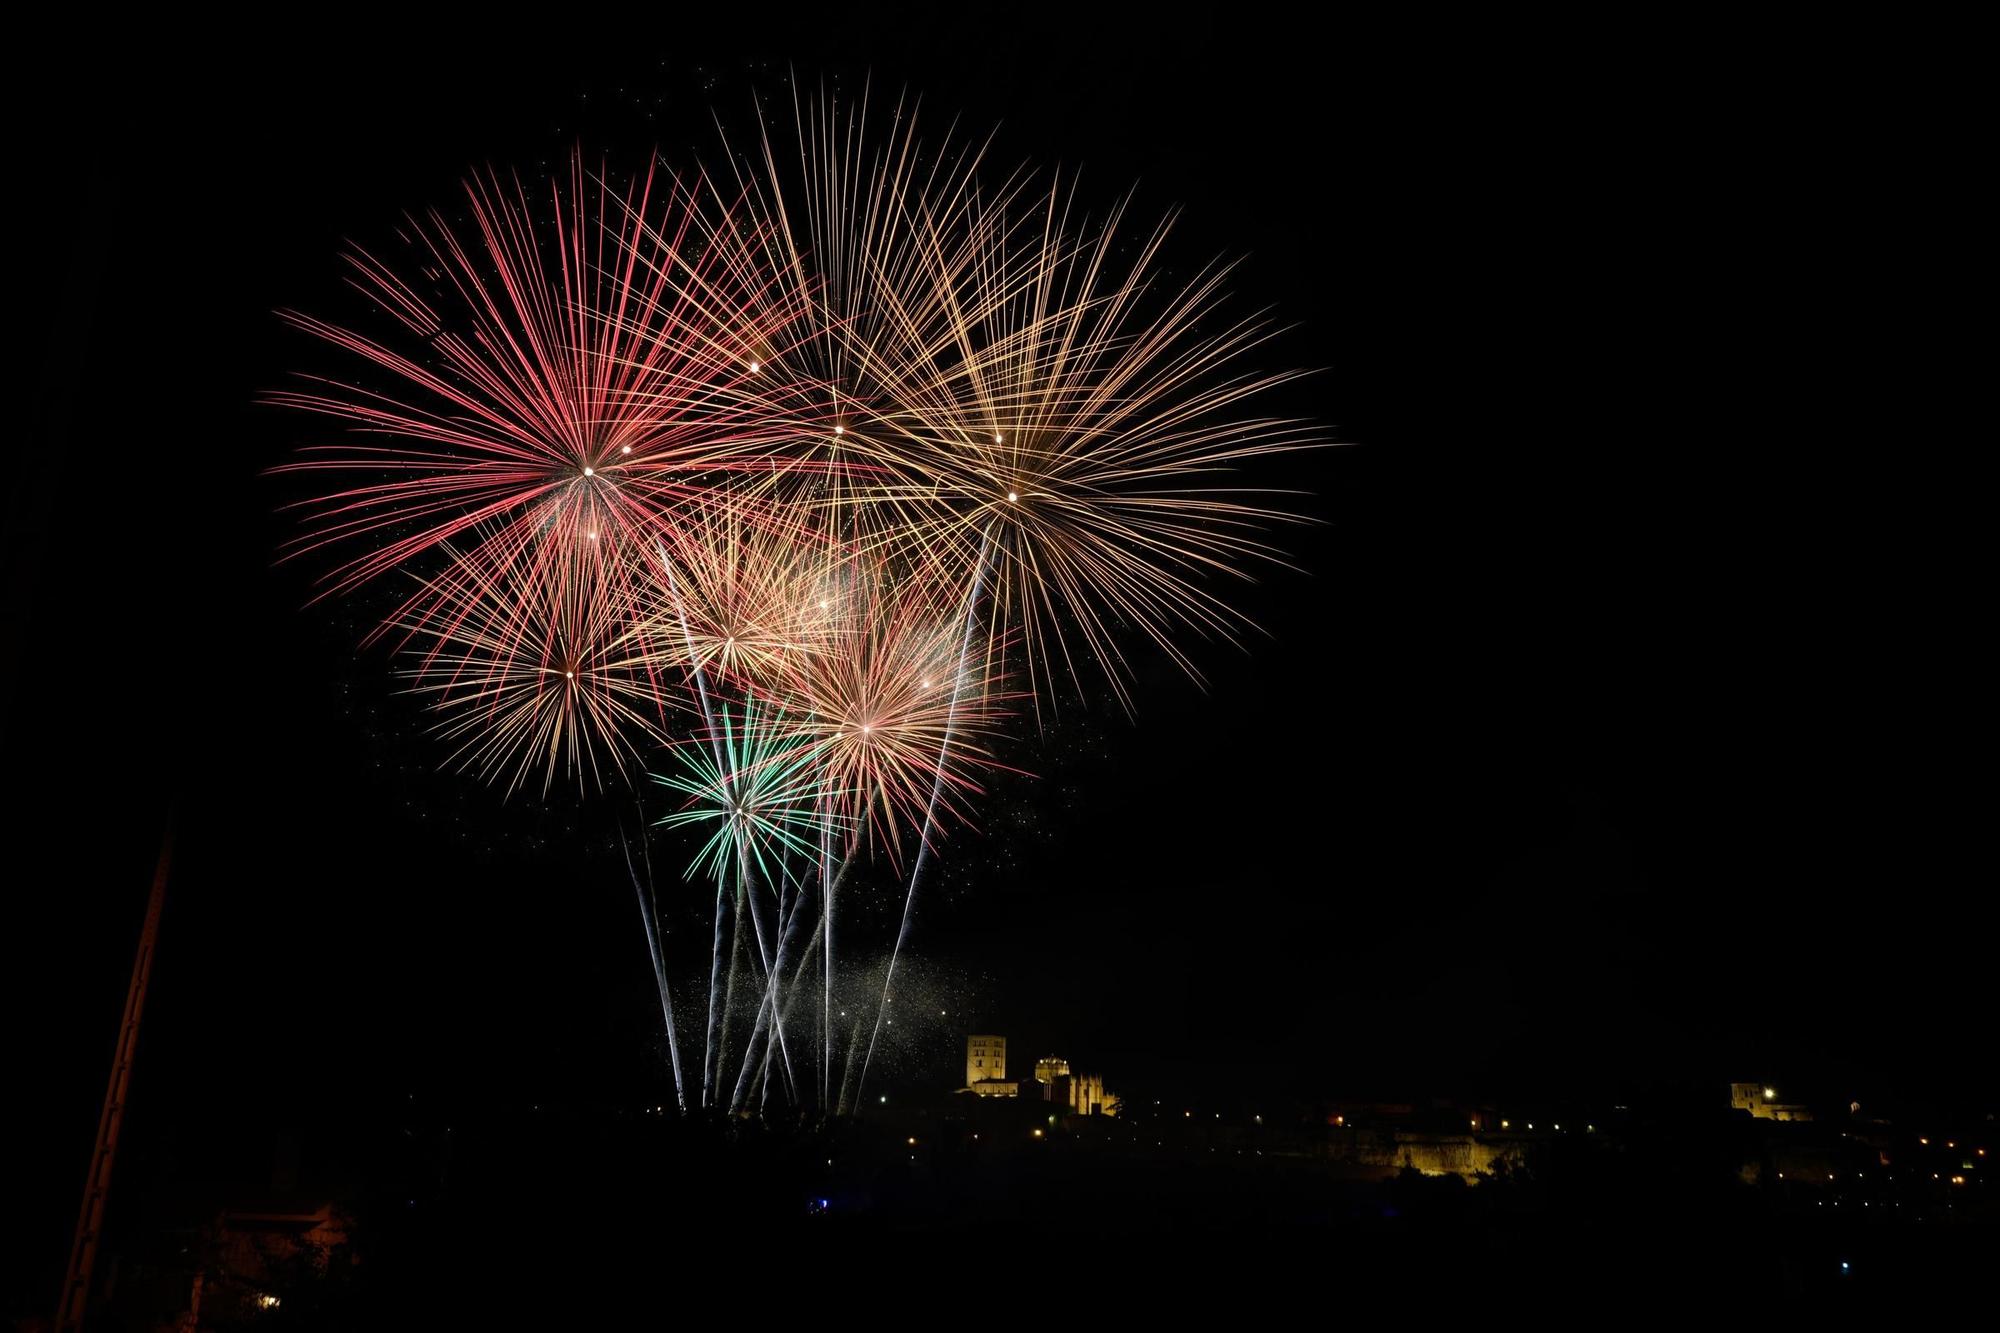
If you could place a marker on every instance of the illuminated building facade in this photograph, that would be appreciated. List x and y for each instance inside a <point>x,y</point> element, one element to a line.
<point>1083,1093</point>
<point>986,1076</point>
<point>1762,1102</point>
<point>985,1060</point>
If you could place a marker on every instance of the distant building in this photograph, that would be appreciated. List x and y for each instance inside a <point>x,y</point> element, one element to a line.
<point>1084,1094</point>
<point>1383,1151</point>
<point>995,1087</point>
<point>985,1061</point>
<point>986,1076</point>
<point>1762,1102</point>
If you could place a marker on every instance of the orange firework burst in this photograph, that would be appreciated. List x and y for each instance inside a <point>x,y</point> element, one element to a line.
<point>900,715</point>
<point>829,205</point>
<point>1080,421</point>
<point>541,672</point>
<point>746,594</point>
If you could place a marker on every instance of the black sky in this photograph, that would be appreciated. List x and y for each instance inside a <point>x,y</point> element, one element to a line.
<point>1617,729</point>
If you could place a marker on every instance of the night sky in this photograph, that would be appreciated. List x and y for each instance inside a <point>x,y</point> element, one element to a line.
<point>1610,733</point>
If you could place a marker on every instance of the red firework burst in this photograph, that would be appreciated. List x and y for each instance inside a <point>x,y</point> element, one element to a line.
<point>548,380</point>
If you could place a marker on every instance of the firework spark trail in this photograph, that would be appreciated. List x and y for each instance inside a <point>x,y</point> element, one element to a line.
<point>815,942</point>
<point>714,975</point>
<point>747,888</point>
<point>752,1069</point>
<point>736,952</point>
<point>930,811</point>
<point>776,997</point>
<point>826,949</point>
<point>769,1025</point>
<point>769,1008</point>
<point>830,882</point>
<point>755,785</point>
<point>708,715</point>
<point>649,919</point>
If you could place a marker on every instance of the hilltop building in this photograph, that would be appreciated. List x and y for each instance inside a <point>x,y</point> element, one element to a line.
<point>986,1076</point>
<point>1762,1102</point>
<point>985,1059</point>
<point>1084,1094</point>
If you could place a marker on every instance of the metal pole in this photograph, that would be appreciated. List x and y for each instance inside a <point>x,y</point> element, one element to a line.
<point>90,1217</point>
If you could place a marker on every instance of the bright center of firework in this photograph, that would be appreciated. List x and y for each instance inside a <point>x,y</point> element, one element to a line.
<point>589,471</point>
<point>840,430</point>
<point>927,684</point>
<point>569,675</point>
<point>1012,495</point>
<point>756,366</point>
<point>593,536</point>
<point>625,449</point>
<point>999,439</point>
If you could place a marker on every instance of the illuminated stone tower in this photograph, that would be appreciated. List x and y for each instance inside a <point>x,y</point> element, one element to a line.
<point>1761,1101</point>
<point>985,1058</point>
<point>1049,1068</point>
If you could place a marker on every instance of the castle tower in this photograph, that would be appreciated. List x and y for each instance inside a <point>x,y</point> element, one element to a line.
<point>985,1058</point>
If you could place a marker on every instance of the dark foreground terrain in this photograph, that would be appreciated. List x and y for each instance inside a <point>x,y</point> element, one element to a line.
<point>602,1215</point>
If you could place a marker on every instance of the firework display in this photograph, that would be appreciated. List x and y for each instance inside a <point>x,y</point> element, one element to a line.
<point>790,482</point>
